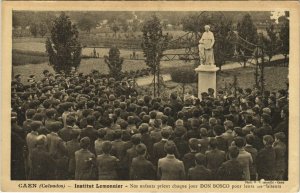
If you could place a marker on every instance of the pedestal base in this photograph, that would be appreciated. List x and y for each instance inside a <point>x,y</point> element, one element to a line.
<point>207,78</point>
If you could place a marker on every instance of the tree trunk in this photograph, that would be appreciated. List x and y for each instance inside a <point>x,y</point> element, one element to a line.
<point>183,90</point>
<point>154,83</point>
<point>158,80</point>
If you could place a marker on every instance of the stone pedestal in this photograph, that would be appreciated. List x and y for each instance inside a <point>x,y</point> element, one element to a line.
<point>207,78</point>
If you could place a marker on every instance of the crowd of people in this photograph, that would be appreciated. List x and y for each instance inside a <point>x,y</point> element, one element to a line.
<point>86,127</point>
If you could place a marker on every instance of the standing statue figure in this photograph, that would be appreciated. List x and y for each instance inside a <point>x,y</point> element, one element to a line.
<point>206,44</point>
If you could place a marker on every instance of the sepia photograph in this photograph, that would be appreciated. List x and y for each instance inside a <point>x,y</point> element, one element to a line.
<point>159,95</point>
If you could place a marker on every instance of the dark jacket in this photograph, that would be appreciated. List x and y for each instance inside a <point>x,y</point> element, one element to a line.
<point>266,160</point>
<point>199,172</point>
<point>189,160</point>
<point>92,133</point>
<point>72,146</point>
<point>230,170</point>
<point>253,153</point>
<point>84,165</point>
<point>170,168</point>
<point>159,151</point>
<point>148,141</point>
<point>222,143</point>
<point>65,133</point>
<point>107,167</point>
<point>214,159</point>
<point>43,165</point>
<point>141,169</point>
<point>182,146</point>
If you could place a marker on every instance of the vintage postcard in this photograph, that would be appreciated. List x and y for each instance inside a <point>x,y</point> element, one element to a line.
<point>150,96</point>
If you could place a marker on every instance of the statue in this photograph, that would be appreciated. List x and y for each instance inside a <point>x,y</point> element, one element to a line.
<point>206,44</point>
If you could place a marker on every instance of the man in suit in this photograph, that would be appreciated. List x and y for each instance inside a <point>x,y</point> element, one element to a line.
<point>90,132</point>
<point>266,160</point>
<point>84,161</point>
<point>250,149</point>
<point>146,139</point>
<point>214,157</point>
<point>159,147</point>
<point>189,158</point>
<point>31,140</point>
<point>199,172</point>
<point>66,132</point>
<point>119,151</point>
<point>43,164</point>
<point>99,142</point>
<point>57,150</point>
<point>231,169</point>
<point>281,155</point>
<point>180,142</point>
<point>72,146</point>
<point>107,164</point>
<point>131,152</point>
<point>222,143</point>
<point>141,168</point>
<point>244,158</point>
<point>204,141</point>
<point>170,168</point>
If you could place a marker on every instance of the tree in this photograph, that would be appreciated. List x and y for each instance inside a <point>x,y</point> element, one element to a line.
<point>223,49</point>
<point>114,62</point>
<point>86,23</point>
<point>184,76</point>
<point>270,43</point>
<point>43,29</point>
<point>248,31</point>
<point>153,44</point>
<point>124,25</point>
<point>34,29</point>
<point>63,47</point>
<point>135,25</point>
<point>285,38</point>
<point>115,26</point>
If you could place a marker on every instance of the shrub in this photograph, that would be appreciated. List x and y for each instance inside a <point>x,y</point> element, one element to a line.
<point>184,75</point>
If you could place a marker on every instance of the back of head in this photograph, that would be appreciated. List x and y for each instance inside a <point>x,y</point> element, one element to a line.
<point>30,113</point>
<point>233,152</point>
<point>106,147</point>
<point>144,128</point>
<point>70,120</point>
<point>228,125</point>
<point>280,136</point>
<point>213,121</point>
<point>218,129</point>
<point>170,147</point>
<point>248,119</point>
<point>141,149</point>
<point>136,139</point>
<point>213,143</point>
<point>56,126</point>
<point>117,134</point>
<point>239,142</point>
<point>203,132</point>
<point>268,139</point>
<point>101,133</point>
<point>194,144</point>
<point>35,125</point>
<point>90,120</point>
<point>250,139</point>
<point>200,159</point>
<point>165,133</point>
<point>85,142</point>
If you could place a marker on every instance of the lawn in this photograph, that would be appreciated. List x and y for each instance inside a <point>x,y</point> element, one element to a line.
<point>276,78</point>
